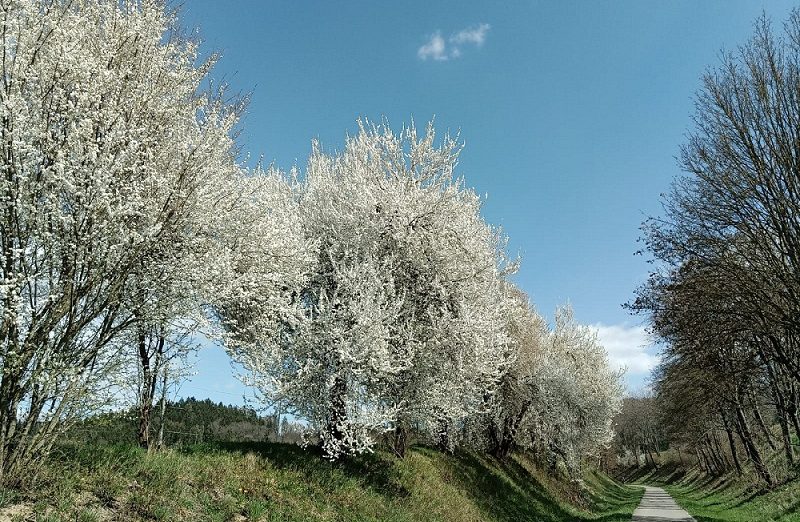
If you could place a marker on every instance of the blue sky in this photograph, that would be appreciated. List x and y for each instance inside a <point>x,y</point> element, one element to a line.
<point>572,114</point>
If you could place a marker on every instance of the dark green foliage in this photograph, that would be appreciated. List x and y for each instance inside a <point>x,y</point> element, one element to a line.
<point>187,421</point>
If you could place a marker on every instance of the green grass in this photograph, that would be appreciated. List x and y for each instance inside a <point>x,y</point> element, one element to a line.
<point>728,498</point>
<point>282,482</point>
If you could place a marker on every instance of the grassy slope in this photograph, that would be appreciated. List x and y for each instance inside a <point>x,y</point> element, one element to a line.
<point>727,498</point>
<point>283,482</point>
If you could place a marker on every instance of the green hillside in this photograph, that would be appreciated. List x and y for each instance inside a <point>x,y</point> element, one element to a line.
<point>274,481</point>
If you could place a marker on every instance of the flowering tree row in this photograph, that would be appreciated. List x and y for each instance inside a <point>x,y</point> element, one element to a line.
<point>367,294</point>
<point>399,317</point>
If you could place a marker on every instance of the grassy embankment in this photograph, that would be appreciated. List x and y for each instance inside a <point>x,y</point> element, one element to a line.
<point>729,498</point>
<point>270,481</point>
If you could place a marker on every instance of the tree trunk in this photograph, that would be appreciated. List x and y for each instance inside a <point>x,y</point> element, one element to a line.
<point>786,437</point>
<point>649,453</point>
<point>150,362</point>
<point>338,414</point>
<point>731,442</point>
<point>164,377</point>
<point>443,440</point>
<point>793,410</point>
<point>655,445</point>
<point>508,437</point>
<point>721,451</point>
<point>762,424</point>
<point>719,465</point>
<point>145,393</point>
<point>707,460</point>
<point>400,442</point>
<point>701,461</point>
<point>494,437</point>
<point>755,454</point>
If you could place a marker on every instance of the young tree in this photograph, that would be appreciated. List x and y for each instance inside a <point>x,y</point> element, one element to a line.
<point>109,149</point>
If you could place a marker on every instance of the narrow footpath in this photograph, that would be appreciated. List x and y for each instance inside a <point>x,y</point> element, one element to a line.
<point>658,506</point>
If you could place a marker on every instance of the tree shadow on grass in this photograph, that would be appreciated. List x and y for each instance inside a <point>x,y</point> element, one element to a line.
<point>504,490</point>
<point>749,498</point>
<point>507,492</point>
<point>374,471</point>
<point>613,496</point>
<point>794,508</point>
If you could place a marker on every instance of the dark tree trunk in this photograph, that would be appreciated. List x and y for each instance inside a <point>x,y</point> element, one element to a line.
<point>701,460</point>
<point>719,465</point>
<point>151,351</point>
<point>731,442</point>
<point>649,453</point>
<point>494,437</point>
<point>655,445</point>
<point>709,462</point>
<point>508,437</point>
<point>338,415</point>
<point>786,437</point>
<point>721,451</point>
<point>164,377</point>
<point>400,442</point>
<point>747,440</point>
<point>762,424</point>
<point>783,405</point>
<point>792,410</point>
<point>443,442</point>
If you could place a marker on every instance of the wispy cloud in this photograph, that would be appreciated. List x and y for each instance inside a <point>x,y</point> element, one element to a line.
<point>627,347</point>
<point>474,35</point>
<point>439,49</point>
<point>435,48</point>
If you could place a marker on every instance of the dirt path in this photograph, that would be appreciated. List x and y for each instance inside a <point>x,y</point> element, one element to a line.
<point>658,506</point>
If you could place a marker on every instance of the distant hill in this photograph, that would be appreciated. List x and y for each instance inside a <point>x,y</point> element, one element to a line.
<point>188,421</point>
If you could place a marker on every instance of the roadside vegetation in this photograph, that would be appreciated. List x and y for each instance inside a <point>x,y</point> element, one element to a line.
<point>266,481</point>
<point>721,425</point>
<point>728,498</point>
<point>736,501</point>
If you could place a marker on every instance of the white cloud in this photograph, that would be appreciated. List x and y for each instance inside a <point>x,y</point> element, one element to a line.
<point>627,348</point>
<point>439,49</point>
<point>474,35</point>
<point>434,49</point>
